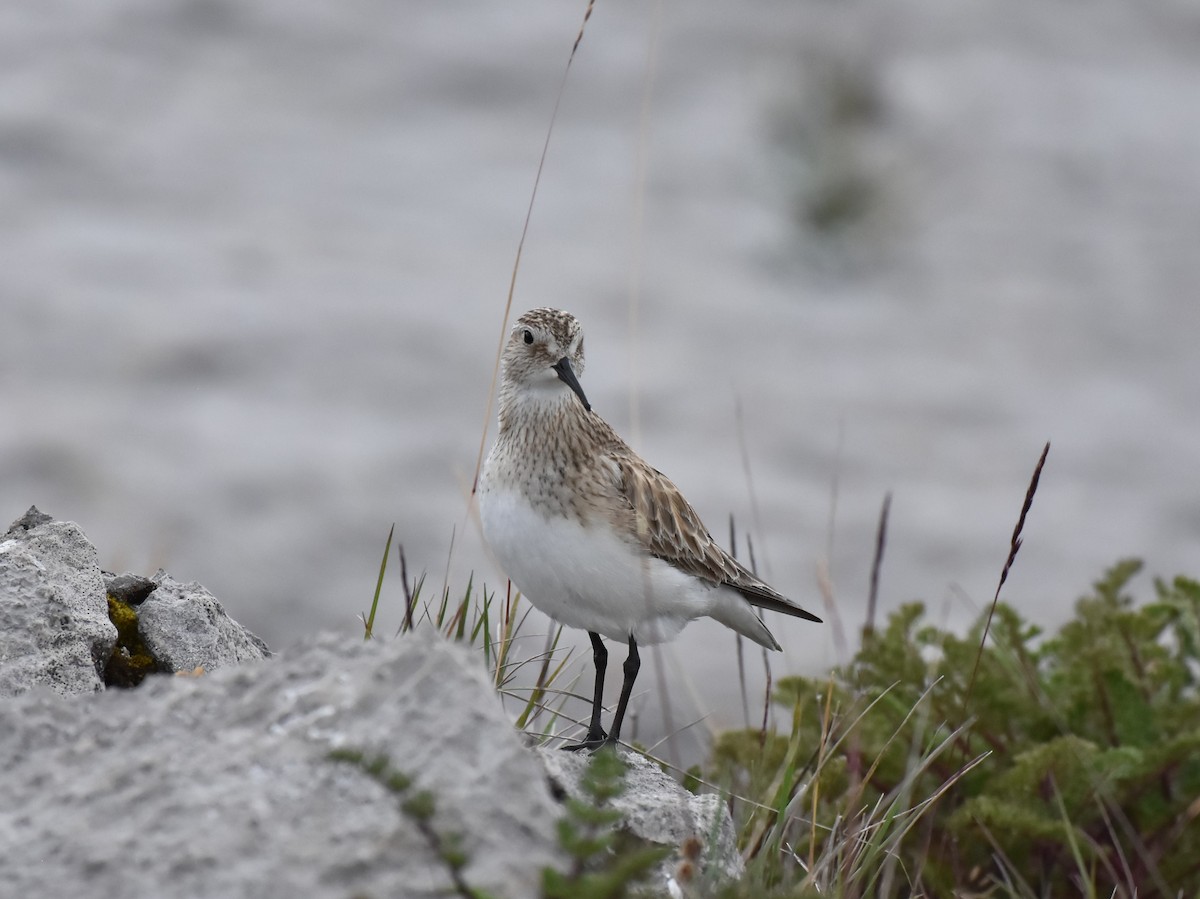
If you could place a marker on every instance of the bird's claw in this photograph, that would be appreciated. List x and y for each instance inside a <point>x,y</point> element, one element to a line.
<point>596,739</point>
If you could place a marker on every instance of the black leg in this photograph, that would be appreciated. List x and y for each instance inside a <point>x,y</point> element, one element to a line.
<point>596,737</point>
<point>633,662</point>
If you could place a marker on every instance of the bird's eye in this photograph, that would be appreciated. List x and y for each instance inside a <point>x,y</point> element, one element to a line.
<point>528,336</point>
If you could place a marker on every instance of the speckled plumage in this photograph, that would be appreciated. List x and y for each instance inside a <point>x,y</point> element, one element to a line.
<point>591,534</point>
<point>569,464</point>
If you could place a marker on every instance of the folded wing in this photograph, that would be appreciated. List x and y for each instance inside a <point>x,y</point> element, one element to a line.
<point>670,529</point>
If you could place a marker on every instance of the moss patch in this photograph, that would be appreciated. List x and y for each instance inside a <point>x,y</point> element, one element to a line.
<point>130,661</point>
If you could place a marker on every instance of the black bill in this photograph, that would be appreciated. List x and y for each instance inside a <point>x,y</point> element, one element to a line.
<point>567,375</point>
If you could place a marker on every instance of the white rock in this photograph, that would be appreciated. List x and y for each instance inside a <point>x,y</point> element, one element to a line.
<point>222,785</point>
<point>657,809</point>
<point>184,626</point>
<point>54,627</point>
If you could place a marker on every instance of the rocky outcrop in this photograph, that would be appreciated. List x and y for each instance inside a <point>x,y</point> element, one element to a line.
<point>54,625</point>
<point>337,768</point>
<point>67,625</point>
<point>184,627</point>
<point>224,785</point>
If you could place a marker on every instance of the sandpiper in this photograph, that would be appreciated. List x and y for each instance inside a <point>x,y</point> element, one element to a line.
<point>590,533</point>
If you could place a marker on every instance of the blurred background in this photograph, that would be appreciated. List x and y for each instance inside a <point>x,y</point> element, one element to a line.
<point>254,257</point>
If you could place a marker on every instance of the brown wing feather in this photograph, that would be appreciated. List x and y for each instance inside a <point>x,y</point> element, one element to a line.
<point>670,529</point>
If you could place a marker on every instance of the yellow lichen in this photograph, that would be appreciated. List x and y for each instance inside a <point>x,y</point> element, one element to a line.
<point>130,661</point>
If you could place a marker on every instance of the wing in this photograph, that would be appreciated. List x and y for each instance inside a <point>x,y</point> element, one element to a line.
<point>669,528</point>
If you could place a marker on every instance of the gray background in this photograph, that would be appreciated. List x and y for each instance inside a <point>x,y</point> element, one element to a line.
<point>254,258</point>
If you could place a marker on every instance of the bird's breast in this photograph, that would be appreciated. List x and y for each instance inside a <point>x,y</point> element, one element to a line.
<point>588,575</point>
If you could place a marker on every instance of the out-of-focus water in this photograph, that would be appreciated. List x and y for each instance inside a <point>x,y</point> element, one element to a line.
<point>254,258</point>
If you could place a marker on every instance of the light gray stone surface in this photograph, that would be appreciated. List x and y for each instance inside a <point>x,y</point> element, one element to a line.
<point>657,809</point>
<point>54,627</point>
<point>221,785</point>
<point>184,626</point>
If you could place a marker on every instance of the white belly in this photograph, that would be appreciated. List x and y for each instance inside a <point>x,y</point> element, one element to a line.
<point>586,576</point>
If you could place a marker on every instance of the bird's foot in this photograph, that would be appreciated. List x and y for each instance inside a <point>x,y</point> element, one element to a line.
<point>596,738</point>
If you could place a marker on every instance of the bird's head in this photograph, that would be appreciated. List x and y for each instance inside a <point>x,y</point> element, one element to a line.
<point>545,353</point>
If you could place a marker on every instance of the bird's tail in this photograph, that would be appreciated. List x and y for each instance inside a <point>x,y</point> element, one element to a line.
<point>734,612</point>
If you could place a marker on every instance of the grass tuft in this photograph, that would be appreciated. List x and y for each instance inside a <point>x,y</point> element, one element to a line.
<point>498,630</point>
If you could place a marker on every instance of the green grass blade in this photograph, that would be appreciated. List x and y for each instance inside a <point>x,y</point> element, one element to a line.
<point>369,620</point>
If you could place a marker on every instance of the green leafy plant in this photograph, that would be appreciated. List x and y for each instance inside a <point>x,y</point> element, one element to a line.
<point>1070,765</point>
